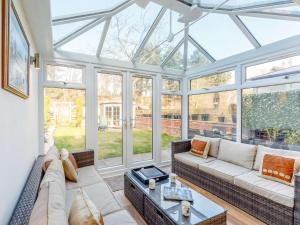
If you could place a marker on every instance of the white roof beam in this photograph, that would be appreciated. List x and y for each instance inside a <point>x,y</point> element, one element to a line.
<point>103,36</point>
<point>91,15</point>
<point>245,31</point>
<point>268,5</point>
<point>149,33</point>
<point>168,57</point>
<point>78,32</point>
<point>201,49</point>
<point>186,42</point>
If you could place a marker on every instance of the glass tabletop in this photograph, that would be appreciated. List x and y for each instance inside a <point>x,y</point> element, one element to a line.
<point>201,208</point>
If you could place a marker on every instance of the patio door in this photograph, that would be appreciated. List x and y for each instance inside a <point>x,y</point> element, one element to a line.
<point>124,119</point>
<point>141,119</point>
<point>110,117</point>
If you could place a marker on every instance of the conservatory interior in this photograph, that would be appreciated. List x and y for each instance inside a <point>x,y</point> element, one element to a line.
<point>150,112</point>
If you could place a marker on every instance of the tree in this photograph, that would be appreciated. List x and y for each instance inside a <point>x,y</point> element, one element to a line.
<point>79,112</point>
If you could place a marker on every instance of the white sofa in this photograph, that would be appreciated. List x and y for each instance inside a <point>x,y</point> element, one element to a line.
<point>232,173</point>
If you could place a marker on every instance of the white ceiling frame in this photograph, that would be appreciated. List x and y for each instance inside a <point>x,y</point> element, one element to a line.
<point>103,36</point>
<point>201,49</point>
<point>245,31</point>
<point>91,15</point>
<point>78,32</point>
<point>90,26</point>
<point>270,5</point>
<point>168,57</point>
<point>186,42</point>
<point>149,34</point>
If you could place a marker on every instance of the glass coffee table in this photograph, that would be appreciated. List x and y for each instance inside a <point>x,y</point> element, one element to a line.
<point>156,210</point>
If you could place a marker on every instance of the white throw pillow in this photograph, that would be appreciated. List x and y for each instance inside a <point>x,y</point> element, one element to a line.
<point>237,153</point>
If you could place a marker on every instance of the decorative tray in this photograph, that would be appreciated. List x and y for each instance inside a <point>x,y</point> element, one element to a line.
<point>144,174</point>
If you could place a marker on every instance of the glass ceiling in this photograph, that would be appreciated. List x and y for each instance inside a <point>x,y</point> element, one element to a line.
<point>127,31</point>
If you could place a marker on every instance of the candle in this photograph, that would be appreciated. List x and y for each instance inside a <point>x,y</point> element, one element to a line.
<point>186,208</point>
<point>173,177</point>
<point>152,184</point>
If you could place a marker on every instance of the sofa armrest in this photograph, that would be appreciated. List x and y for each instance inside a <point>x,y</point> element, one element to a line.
<point>84,158</point>
<point>297,200</point>
<point>181,146</point>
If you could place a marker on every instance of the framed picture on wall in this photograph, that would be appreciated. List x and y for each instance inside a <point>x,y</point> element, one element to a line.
<point>15,52</point>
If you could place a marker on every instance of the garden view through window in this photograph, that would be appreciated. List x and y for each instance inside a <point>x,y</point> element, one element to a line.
<point>170,123</point>
<point>64,118</point>
<point>213,115</point>
<point>110,119</point>
<point>213,80</point>
<point>270,116</point>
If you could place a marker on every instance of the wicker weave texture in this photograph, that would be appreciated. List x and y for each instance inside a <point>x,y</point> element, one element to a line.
<point>22,212</point>
<point>84,158</point>
<point>258,206</point>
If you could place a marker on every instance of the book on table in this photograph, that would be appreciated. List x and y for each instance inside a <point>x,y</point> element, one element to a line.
<point>177,193</point>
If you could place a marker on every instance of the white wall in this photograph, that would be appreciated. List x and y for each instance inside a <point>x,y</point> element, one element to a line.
<point>18,137</point>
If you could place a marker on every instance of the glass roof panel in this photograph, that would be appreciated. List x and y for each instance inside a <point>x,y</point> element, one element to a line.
<point>291,10</point>
<point>86,43</point>
<point>235,4</point>
<point>220,41</point>
<point>60,31</point>
<point>195,57</point>
<point>126,32</point>
<point>157,47</point>
<point>177,61</point>
<point>68,7</point>
<point>268,31</point>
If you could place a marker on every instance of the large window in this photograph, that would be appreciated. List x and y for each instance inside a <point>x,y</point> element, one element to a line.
<point>213,114</point>
<point>213,80</point>
<point>64,74</point>
<point>64,118</point>
<point>271,116</point>
<point>170,123</point>
<point>282,67</point>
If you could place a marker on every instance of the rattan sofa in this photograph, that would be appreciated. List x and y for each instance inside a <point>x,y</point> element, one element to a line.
<point>259,206</point>
<point>89,180</point>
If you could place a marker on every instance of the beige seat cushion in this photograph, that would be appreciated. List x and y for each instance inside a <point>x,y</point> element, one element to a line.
<point>83,211</point>
<point>86,176</point>
<point>282,152</point>
<point>237,153</point>
<point>55,172</point>
<point>51,154</point>
<point>192,160</point>
<point>116,217</point>
<point>273,190</point>
<point>214,145</point>
<point>100,194</point>
<point>49,208</point>
<point>223,170</point>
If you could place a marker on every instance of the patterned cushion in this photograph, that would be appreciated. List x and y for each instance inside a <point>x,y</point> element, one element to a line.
<point>279,168</point>
<point>214,144</point>
<point>200,148</point>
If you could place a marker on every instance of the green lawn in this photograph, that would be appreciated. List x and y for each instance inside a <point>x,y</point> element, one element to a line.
<point>110,141</point>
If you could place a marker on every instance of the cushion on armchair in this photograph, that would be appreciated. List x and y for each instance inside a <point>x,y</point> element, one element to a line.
<point>51,155</point>
<point>237,153</point>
